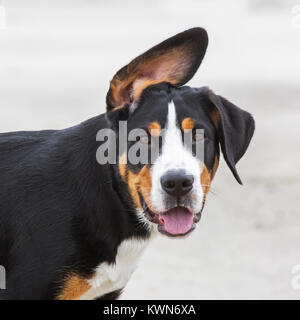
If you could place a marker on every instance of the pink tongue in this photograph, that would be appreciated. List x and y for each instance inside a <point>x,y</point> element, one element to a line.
<point>177,220</point>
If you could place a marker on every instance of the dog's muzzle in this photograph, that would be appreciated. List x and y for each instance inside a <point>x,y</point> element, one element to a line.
<point>178,218</point>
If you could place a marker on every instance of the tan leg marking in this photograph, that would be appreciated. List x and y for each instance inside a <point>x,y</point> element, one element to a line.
<point>74,287</point>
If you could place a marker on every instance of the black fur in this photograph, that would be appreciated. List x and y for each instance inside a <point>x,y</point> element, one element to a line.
<point>235,132</point>
<point>59,209</point>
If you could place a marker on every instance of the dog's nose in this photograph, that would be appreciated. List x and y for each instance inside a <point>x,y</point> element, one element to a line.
<point>177,183</point>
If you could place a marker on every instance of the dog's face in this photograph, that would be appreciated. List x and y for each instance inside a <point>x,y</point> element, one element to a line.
<point>170,188</point>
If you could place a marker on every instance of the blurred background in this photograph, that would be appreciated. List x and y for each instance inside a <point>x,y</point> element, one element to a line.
<point>56,60</point>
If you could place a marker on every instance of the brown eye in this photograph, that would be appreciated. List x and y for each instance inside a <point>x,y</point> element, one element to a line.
<point>198,136</point>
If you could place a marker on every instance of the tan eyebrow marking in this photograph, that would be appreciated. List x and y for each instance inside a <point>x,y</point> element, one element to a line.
<point>154,128</point>
<point>187,124</point>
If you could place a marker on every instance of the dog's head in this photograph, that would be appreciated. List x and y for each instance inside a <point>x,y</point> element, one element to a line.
<point>171,187</point>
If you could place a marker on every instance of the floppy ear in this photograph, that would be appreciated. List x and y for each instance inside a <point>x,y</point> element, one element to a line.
<point>175,60</point>
<point>235,127</point>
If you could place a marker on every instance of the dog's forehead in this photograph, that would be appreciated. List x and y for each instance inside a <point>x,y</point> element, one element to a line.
<point>153,107</point>
<point>188,104</point>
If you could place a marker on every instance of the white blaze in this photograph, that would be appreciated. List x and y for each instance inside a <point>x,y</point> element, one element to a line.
<point>175,156</point>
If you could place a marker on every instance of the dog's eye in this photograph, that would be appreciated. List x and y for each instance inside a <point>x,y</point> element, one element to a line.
<point>198,136</point>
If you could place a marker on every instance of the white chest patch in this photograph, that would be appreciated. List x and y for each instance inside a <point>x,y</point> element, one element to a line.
<point>111,277</point>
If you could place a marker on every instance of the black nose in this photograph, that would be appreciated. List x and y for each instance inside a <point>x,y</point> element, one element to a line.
<point>177,183</point>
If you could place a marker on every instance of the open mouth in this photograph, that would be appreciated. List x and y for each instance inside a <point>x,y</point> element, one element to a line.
<point>177,221</point>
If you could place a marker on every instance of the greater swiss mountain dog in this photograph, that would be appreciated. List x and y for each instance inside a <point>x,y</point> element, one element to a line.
<point>74,228</point>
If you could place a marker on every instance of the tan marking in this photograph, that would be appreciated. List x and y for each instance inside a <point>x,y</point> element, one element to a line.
<point>74,287</point>
<point>140,85</point>
<point>205,180</point>
<point>187,124</point>
<point>215,117</point>
<point>154,129</point>
<point>142,183</point>
<point>207,176</point>
<point>145,185</point>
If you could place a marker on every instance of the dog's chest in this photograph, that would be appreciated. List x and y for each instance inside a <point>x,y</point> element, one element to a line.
<point>111,277</point>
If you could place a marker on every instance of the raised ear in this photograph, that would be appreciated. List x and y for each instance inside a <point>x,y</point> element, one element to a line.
<point>175,60</point>
<point>235,127</point>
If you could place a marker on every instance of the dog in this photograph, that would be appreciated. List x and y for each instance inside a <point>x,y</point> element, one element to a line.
<point>72,228</point>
